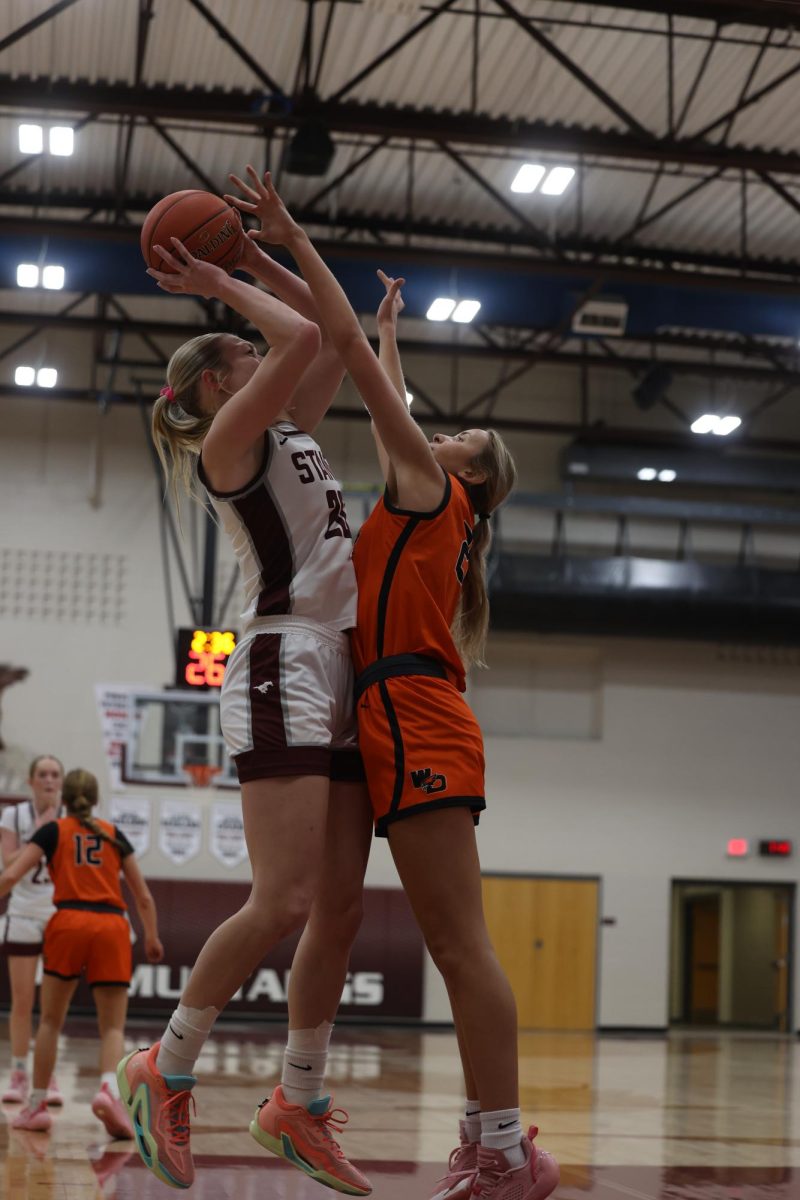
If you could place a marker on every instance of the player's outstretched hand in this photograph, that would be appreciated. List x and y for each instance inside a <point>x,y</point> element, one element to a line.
<point>262,201</point>
<point>392,303</point>
<point>188,275</point>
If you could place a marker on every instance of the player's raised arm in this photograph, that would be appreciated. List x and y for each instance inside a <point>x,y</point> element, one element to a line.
<point>244,412</point>
<point>406,445</point>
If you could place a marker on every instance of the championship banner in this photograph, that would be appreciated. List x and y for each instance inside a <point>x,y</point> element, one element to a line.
<point>131,815</point>
<point>180,830</point>
<point>226,837</point>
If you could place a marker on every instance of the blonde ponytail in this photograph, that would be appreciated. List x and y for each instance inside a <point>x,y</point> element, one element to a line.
<point>80,794</point>
<point>471,623</point>
<point>178,423</point>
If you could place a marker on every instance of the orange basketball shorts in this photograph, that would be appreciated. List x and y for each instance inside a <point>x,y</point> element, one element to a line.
<point>422,749</point>
<point>97,943</point>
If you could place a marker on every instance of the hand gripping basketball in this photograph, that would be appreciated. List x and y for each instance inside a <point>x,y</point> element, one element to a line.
<point>186,274</point>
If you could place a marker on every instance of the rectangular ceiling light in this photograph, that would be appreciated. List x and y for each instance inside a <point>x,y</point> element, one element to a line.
<point>726,425</point>
<point>441,309</point>
<point>62,140</point>
<point>558,181</point>
<point>705,423</point>
<point>528,177</point>
<point>53,278</point>
<point>24,376</point>
<point>27,275</point>
<point>466,311</point>
<point>47,377</point>
<point>31,140</point>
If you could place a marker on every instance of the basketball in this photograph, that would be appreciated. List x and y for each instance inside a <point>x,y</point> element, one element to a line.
<point>208,227</point>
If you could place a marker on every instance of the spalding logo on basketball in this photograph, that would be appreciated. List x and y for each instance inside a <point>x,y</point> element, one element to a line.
<point>211,240</point>
<point>208,227</point>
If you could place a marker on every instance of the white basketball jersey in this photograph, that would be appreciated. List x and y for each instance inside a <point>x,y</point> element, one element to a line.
<point>33,895</point>
<point>289,532</point>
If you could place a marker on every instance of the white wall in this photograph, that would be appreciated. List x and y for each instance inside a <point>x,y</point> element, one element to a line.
<point>693,746</point>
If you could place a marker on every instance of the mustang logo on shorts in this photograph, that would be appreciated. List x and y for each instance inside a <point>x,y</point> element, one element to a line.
<point>263,687</point>
<point>428,781</point>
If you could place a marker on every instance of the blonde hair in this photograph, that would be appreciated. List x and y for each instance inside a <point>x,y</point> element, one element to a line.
<point>80,794</point>
<point>178,423</point>
<point>471,623</point>
<point>44,758</point>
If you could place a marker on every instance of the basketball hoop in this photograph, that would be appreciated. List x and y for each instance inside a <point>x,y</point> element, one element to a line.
<point>201,774</point>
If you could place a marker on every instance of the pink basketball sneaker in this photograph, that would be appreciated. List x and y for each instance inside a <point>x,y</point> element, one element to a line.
<point>303,1137</point>
<point>36,1119</point>
<point>109,1109</point>
<point>53,1092</point>
<point>158,1106</point>
<point>18,1088</point>
<point>534,1180</point>
<point>461,1170</point>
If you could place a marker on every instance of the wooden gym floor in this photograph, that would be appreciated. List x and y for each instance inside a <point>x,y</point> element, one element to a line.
<point>695,1116</point>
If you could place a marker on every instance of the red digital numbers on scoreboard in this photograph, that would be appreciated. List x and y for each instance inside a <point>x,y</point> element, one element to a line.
<point>202,656</point>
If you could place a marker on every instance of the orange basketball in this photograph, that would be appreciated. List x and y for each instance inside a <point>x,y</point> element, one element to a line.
<point>208,227</point>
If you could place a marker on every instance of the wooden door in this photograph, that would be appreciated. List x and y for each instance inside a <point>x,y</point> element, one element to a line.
<point>781,961</point>
<point>545,935</point>
<point>702,914</point>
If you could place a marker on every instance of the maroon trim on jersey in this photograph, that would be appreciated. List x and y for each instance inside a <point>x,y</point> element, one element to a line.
<point>20,949</point>
<point>201,474</point>
<point>292,760</point>
<point>267,728</point>
<point>271,548</point>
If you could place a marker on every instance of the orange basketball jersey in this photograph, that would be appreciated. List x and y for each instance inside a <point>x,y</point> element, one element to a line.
<point>410,567</point>
<point>84,867</point>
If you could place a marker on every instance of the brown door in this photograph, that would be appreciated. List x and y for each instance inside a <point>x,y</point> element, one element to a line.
<point>781,961</point>
<point>545,935</point>
<point>702,914</point>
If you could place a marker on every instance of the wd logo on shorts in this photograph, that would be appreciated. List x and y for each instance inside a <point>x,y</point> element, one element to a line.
<point>428,782</point>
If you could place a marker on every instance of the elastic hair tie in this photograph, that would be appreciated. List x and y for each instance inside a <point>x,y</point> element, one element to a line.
<point>169,393</point>
<point>484,516</point>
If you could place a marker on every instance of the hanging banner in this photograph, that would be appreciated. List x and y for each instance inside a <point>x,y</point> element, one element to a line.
<point>227,842</point>
<point>131,815</point>
<point>117,717</point>
<point>180,830</point>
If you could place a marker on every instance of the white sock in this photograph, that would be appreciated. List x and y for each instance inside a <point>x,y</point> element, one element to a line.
<point>37,1097</point>
<point>109,1078</point>
<point>502,1130</point>
<point>19,1064</point>
<point>304,1061</point>
<point>472,1120</point>
<point>184,1038</point>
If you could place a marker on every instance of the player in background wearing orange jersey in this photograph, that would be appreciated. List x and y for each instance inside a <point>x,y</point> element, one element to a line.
<point>422,612</point>
<point>88,933</point>
<point>22,926</point>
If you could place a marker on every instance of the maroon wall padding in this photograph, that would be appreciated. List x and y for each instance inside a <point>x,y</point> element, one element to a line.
<point>386,964</point>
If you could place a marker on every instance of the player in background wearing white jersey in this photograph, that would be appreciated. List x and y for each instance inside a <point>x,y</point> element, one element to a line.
<point>30,907</point>
<point>243,422</point>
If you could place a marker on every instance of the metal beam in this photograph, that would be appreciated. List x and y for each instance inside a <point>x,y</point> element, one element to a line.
<point>221,29</point>
<point>765,276</point>
<point>608,433</point>
<point>566,62</point>
<point>35,23</point>
<point>392,50</point>
<point>782,14</point>
<point>214,106</point>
